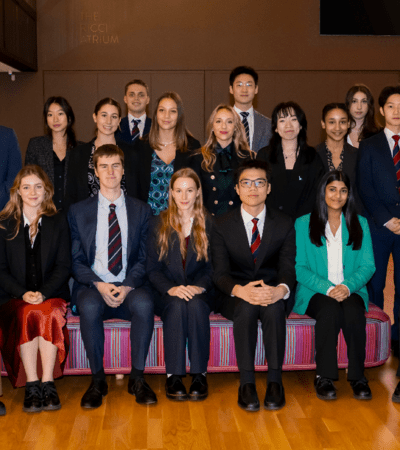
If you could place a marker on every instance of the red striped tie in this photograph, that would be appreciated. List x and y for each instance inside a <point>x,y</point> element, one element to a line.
<point>396,158</point>
<point>255,240</point>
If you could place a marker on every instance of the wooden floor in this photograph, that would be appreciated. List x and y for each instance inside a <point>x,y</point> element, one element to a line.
<point>217,423</point>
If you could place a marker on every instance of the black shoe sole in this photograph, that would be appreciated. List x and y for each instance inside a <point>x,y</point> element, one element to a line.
<point>274,407</point>
<point>32,409</point>
<point>177,398</point>
<point>197,397</point>
<point>325,397</point>
<point>52,407</point>
<point>249,408</point>
<point>363,397</point>
<point>149,402</point>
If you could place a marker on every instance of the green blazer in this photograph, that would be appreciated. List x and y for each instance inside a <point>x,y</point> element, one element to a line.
<point>312,264</point>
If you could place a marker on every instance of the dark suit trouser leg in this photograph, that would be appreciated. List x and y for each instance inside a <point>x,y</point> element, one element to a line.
<point>354,323</point>
<point>186,320</point>
<point>328,315</point>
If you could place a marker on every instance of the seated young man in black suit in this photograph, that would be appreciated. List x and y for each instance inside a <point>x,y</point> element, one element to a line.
<point>109,234</point>
<point>136,124</point>
<point>253,252</point>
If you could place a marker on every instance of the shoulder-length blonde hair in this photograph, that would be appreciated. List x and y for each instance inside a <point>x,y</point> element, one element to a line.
<point>14,207</point>
<point>239,139</point>
<point>170,221</point>
<point>181,132</point>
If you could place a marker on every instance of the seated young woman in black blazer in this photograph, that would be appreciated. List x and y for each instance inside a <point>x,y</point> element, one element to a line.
<point>296,167</point>
<point>216,162</point>
<point>51,152</point>
<point>179,267</point>
<point>35,265</point>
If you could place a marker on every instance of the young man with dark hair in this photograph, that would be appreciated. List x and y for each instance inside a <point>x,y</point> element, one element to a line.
<point>136,124</point>
<point>378,179</point>
<point>109,234</point>
<point>243,82</point>
<point>253,251</point>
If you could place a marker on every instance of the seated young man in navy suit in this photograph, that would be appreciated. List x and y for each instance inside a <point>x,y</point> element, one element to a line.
<point>109,234</point>
<point>253,252</point>
<point>136,124</point>
<point>243,83</point>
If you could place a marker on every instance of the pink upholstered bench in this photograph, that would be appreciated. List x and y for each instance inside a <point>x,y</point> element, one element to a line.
<point>299,345</point>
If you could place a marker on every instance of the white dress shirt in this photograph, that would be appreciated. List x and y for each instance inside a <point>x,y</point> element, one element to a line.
<point>250,120</point>
<point>27,222</point>
<point>389,136</point>
<point>140,124</point>
<point>248,224</point>
<point>100,265</point>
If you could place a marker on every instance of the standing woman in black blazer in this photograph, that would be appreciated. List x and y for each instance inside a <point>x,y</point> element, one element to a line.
<point>179,268</point>
<point>216,162</point>
<point>163,150</point>
<point>81,180</point>
<point>34,270</point>
<point>51,152</point>
<point>336,153</point>
<point>296,167</point>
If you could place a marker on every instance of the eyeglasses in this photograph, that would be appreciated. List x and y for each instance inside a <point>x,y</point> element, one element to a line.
<point>259,183</point>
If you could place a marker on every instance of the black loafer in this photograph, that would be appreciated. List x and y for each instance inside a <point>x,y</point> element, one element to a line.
<point>199,388</point>
<point>248,398</point>
<point>2,409</point>
<point>142,391</point>
<point>396,394</point>
<point>50,399</point>
<point>33,398</point>
<point>325,388</point>
<point>175,389</point>
<point>361,390</point>
<point>93,397</point>
<point>275,396</point>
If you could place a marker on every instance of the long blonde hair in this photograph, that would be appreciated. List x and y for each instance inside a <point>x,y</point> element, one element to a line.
<point>170,221</point>
<point>14,207</point>
<point>239,139</point>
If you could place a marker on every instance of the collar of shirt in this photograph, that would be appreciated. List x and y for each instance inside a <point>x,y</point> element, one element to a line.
<point>104,203</point>
<point>328,231</point>
<point>247,220</point>
<point>27,222</point>
<point>389,136</point>
<point>141,118</point>
<point>250,111</point>
<point>228,148</point>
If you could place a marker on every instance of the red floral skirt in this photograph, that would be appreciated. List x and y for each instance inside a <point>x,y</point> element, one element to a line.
<point>21,322</point>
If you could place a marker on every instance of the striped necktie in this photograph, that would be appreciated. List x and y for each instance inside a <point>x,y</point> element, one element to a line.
<point>246,125</point>
<point>396,158</point>
<point>114,243</point>
<point>135,130</point>
<point>255,239</point>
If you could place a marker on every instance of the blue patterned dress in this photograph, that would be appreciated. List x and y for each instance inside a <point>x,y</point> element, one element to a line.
<point>160,176</point>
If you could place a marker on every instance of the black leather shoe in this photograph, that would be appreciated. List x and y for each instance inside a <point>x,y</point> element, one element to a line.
<point>142,391</point>
<point>275,396</point>
<point>93,397</point>
<point>325,388</point>
<point>2,409</point>
<point>33,398</point>
<point>361,390</point>
<point>198,388</point>
<point>50,399</point>
<point>248,398</point>
<point>175,389</point>
<point>396,394</point>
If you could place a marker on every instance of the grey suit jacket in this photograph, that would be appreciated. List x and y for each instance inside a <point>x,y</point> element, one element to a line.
<point>262,131</point>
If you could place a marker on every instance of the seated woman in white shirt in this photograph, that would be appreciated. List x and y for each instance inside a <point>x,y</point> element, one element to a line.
<point>334,262</point>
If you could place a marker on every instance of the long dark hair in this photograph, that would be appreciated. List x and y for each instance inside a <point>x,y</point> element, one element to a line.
<point>66,107</point>
<point>286,109</point>
<point>319,216</point>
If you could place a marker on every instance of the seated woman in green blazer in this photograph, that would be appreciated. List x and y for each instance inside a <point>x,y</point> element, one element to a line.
<point>334,262</point>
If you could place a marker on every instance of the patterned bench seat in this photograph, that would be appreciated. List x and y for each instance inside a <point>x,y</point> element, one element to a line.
<point>299,345</point>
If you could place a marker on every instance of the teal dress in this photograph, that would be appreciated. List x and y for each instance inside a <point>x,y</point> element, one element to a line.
<point>160,176</point>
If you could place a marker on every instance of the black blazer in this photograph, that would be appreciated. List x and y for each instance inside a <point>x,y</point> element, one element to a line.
<point>77,178</point>
<point>349,167</point>
<point>144,155</point>
<point>169,272</point>
<point>123,133</point>
<point>232,258</point>
<point>55,259</point>
<point>209,180</point>
<point>82,219</point>
<point>293,193</point>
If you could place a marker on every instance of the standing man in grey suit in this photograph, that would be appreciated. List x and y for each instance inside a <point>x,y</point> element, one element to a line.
<point>243,82</point>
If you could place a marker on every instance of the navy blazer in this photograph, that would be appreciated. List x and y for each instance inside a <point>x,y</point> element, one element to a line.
<point>124,134</point>
<point>82,219</point>
<point>55,259</point>
<point>377,182</point>
<point>10,162</point>
<point>169,272</point>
